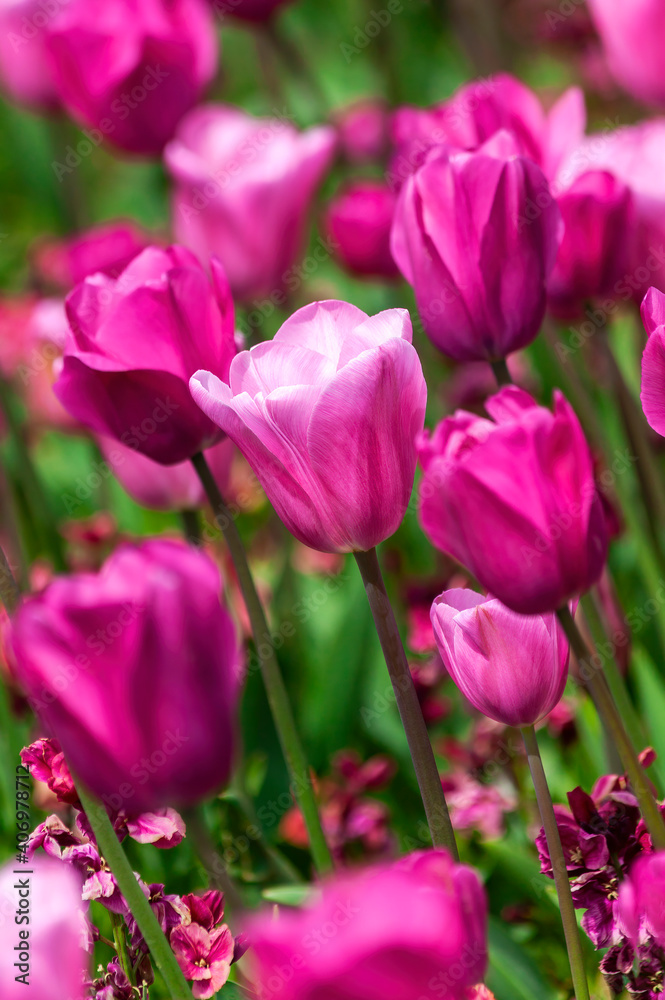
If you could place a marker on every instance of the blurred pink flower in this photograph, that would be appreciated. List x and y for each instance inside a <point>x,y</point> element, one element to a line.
<point>359,220</point>
<point>363,131</point>
<point>633,36</point>
<point>26,74</point>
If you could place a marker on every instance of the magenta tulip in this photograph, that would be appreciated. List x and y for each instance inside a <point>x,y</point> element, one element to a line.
<point>108,249</point>
<point>134,343</point>
<point>135,671</point>
<point>130,69</point>
<point>633,154</point>
<point>359,221</point>
<point>514,499</point>
<point>54,964</point>
<point>653,360</point>
<point>633,37</point>
<point>511,667</point>
<point>642,900</point>
<point>477,235</point>
<point>244,187</point>
<point>398,930</point>
<point>598,216</point>
<point>26,74</point>
<point>326,414</point>
<point>480,109</point>
<point>166,487</point>
<point>362,129</point>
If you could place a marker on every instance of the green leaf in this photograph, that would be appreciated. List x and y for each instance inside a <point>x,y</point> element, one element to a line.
<point>513,975</point>
<point>288,895</point>
<point>651,698</point>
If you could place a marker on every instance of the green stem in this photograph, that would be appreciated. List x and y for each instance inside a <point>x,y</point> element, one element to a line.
<point>9,592</point>
<point>422,755</point>
<point>191,526</point>
<point>281,864</point>
<point>291,56</point>
<point>501,373</point>
<point>595,681</point>
<point>559,870</point>
<point>121,947</point>
<point>272,676</point>
<point>112,852</point>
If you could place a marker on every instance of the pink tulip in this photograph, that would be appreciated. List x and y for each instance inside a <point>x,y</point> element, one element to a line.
<point>642,900</point>
<point>511,667</point>
<point>56,963</point>
<point>244,186</point>
<point>359,221</point>
<point>598,216</point>
<point>633,154</point>
<point>633,36</point>
<point>653,360</point>
<point>130,69</point>
<point>326,414</point>
<point>166,487</point>
<point>25,71</point>
<point>248,10</point>
<point>480,109</point>
<point>133,345</point>
<point>514,500</point>
<point>400,930</point>
<point>362,129</point>
<point>477,235</point>
<point>135,672</point>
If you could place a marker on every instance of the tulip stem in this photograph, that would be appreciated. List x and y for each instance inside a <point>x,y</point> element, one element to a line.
<point>112,852</point>
<point>213,864</point>
<point>121,947</point>
<point>559,869</point>
<point>278,698</point>
<point>429,780</point>
<point>501,373</point>
<point>9,591</point>
<point>191,526</point>
<point>599,689</point>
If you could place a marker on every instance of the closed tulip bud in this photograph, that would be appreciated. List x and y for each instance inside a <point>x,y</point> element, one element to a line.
<point>359,221</point>
<point>42,932</point>
<point>166,487</point>
<point>135,671</point>
<point>135,341</point>
<point>477,235</point>
<point>598,216</point>
<point>653,360</point>
<point>130,69</point>
<point>395,929</point>
<point>511,667</point>
<point>326,414</point>
<point>641,910</point>
<point>362,129</point>
<point>514,499</point>
<point>633,36</point>
<point>244,187</point>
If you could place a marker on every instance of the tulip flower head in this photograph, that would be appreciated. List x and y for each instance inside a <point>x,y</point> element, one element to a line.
<point>511,667</point>
<point>653,360</point>
<point>514,499</point>
<point>327,414</point>
<point>135,671</point>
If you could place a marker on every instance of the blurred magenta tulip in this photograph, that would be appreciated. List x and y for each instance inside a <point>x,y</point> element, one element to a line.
<point>244,187</point>
<point>108,249</point>
<point>134,343</point>
<point>634,154</point>
<point>326,414</point>
<point>400,930</point>
<point>480,109</point>
<point>653,360</point>
<point>135,671</point>
<point>26,74</point>
<point>166,487</point>
<point>362,129</point>
<point>477,235</point>
<point>57,964</point>
<point>130,69</point>
<point>641,900</point>
<point>511,667</point>
<point>514,500</point>
<point>633,37</point>
<point>598,217</point>
<point>359,221</point>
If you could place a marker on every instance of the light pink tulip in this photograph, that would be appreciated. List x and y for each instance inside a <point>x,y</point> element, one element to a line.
<point>511,667</point>
<point>244,187</point>
<point>633,36</point>
<point>326,414</point>
<point>25,70</point>
<point>57,963</point>
<point>653,360</point>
